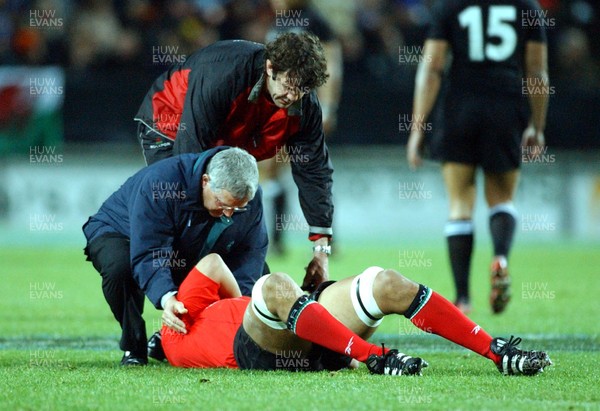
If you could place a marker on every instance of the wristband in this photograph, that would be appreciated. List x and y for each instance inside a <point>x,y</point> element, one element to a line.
<point>325,249</point>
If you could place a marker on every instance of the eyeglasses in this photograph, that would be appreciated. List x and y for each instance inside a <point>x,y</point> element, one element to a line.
<point>222,206</point>
<point>293,90</point>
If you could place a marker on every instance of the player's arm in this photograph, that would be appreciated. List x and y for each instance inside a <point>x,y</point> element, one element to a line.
<point>427,87</point>
<point>536,72</point>
<point>312,172</point>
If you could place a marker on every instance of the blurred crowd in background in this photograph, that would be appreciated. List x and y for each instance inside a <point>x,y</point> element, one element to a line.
<point>90,36</point>
<point>92,33</point>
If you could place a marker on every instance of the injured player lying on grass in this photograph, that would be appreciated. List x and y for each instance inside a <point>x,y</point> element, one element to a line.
<point>282,328</point>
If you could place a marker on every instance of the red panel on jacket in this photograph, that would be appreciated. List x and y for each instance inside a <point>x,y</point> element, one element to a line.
<point>167,105</point>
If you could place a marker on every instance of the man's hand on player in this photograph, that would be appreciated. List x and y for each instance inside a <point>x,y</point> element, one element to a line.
<point>171,311</point>
<point>316,272</point>
<point>414,149</point>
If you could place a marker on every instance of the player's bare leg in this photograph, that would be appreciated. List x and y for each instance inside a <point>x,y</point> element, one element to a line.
<point>282,319</point>
<point>215,268</point>
<point>381,292</point>
<point>460,186</point>
<point>499,192</point>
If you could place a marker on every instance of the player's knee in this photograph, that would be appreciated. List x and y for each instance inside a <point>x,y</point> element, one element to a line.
<point>393,290</point>
<point>210,263</point>
<point>280,287</point>
<point>266,288</point>
<point>392,281</point>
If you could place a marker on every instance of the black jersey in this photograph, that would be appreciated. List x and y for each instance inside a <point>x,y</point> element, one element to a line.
<point>487,39</point>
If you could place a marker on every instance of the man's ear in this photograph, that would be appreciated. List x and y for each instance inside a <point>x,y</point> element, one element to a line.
<point>269,68</point>
<point>205,180</point>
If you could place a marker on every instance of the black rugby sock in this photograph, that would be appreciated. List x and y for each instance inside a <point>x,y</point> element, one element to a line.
<point>502,228</point>
<point>459,234</point>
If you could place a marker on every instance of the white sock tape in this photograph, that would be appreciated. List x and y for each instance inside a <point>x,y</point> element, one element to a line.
<point>363,301</point>
<point>260,307</point>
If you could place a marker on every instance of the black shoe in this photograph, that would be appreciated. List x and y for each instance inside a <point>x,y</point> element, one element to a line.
<point>131,359</point>
<point>395,363</point>
<point>155,349</point>
<point>518,362</point>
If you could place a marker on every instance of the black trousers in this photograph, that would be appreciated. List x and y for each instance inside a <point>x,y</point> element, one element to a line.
<point>155,147</point>
<point>109,254</point>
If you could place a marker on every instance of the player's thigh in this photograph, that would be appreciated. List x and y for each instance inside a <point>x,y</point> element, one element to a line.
<point>336,299</point>
<point>271,336</point>
<point>501,187</point>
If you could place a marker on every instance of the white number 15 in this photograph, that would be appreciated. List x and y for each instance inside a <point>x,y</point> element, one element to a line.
<point>497,26</point>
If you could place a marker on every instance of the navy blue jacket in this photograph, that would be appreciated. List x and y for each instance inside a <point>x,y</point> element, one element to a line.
<point>160,210</point>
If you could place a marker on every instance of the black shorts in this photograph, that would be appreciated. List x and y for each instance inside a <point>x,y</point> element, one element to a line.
<point>250,356</point>
<point>481,130</point>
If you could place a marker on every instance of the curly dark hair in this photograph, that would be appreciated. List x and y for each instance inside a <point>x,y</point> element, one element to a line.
<point>301,54</point>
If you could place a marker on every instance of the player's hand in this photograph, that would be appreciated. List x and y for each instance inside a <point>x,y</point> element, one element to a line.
<point>316,272</point>
<point>533,141</point>
<point>171,311</point>
<point>414,149</point>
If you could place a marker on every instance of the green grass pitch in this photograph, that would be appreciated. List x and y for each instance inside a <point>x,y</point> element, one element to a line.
<point>59,342</point>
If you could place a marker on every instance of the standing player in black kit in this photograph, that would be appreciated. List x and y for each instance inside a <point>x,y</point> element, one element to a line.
<point>499,55</point>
